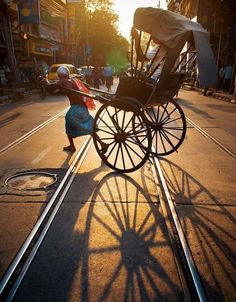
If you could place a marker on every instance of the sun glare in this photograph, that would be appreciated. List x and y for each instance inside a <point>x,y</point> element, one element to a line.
<point>126,8</point>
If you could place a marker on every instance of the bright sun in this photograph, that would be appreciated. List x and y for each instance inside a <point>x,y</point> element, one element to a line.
<point>126,8</point>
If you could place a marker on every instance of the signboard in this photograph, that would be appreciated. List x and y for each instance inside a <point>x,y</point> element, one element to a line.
<point>49,33</point>
<point>55,48</point>
<point>41,49</point>
<point>29,12</point>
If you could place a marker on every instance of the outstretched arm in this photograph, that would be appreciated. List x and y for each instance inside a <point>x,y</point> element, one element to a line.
<point>51,86</point>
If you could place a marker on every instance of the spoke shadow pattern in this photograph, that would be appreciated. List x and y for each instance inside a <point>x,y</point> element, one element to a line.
<point>209,226</point>
<point>139,238</point>
<point>113,248</point>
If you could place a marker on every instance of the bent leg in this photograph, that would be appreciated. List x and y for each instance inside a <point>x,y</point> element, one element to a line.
<point>71,147</point>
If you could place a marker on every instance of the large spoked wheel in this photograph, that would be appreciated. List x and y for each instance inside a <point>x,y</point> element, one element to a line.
<point>122,136</point>
<point>168,127</point>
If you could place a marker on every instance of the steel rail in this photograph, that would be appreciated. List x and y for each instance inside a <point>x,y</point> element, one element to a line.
<point>207,135</point>
<point>39,222</point>
<point>157,171</point>
<point>31,132</point>
<point>37,244</point>
<point>210,137</point>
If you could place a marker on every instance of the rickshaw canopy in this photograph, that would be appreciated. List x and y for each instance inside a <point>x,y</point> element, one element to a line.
<point>172,31</point>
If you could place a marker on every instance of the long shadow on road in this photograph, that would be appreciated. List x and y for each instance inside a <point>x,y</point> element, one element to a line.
<point>114,247</point>
<point>112,244</point>
<point>209,226</point>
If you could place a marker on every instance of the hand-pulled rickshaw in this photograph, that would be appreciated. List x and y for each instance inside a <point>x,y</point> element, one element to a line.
<point>141,118</point>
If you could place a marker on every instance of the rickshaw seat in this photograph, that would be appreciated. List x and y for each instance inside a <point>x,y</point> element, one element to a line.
<point>165,90</point>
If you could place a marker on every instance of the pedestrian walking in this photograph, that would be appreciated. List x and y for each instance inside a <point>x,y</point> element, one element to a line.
<point>96,77</point>
<point>108,74</point>
<point>221,76</point>
<point>88,75</point>
<point>102,76</point>
<point>227,77</point>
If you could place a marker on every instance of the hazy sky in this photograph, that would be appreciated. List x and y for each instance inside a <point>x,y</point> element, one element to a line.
<point>125,9</point>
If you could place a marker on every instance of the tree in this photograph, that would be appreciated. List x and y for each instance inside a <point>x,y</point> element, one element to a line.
<point>97,28</point>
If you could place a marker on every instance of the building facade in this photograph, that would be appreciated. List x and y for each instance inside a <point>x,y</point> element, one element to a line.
<point>33,34</point>
<point>218,17</point>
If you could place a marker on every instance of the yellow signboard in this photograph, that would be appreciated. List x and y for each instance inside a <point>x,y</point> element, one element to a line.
<point>41,49</point>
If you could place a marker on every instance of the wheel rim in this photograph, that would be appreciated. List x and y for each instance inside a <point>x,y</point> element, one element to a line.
<point>168,127</point>
<point>128,145</point>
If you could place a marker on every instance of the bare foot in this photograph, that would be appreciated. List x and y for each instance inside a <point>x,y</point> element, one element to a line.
<point>69,148</point>
<point>104,147</point>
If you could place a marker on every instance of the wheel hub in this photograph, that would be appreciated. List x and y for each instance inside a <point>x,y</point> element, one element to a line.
<point>120,137</point>
<point>156,127</point>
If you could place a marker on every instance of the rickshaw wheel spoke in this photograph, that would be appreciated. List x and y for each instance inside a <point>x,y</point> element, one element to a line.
<point>129,142</point>
<point>169,128</point>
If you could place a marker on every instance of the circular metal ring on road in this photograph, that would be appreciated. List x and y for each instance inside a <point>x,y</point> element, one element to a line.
<point>28,181</point>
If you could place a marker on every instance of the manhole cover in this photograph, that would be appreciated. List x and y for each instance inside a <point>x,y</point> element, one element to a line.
<point>28,181</point>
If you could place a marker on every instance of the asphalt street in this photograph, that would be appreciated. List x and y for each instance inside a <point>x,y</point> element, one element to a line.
<point>110,239</point>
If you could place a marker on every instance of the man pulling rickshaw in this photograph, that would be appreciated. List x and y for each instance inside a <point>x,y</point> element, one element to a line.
<point>141,118</point>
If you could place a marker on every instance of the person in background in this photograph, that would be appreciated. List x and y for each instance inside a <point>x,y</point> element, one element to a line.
<point>78,121</point>
<point>108,74</point>
<point>102,76</point>
<point>221,76</point>
<point>88,75</point>
<point>234,86</point>
<point>227,77</point>
<point>96,77</point>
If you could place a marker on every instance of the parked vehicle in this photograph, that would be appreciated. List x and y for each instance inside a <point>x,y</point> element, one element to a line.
<point>81,74</point>
<point>52,74</point>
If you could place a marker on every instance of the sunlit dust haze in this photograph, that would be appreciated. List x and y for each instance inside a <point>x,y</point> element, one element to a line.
<point>126,8</point>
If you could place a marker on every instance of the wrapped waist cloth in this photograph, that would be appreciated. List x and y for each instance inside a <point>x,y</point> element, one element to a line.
<point>78,121</point>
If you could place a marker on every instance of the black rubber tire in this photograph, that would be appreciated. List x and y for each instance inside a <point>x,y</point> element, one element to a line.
<point>128,148</point>
<point>168,126</point>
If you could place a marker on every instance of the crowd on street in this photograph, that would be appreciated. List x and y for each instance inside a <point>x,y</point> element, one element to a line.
<point>97,76</point>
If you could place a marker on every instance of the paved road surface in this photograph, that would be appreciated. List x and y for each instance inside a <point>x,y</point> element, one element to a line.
<point>109,241</point>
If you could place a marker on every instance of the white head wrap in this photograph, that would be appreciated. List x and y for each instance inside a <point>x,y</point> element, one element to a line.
<point>63,71</point>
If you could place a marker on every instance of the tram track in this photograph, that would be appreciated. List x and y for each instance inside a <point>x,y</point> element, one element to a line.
<point>11,279</point>
<point>55,202</point>
<point>211,138</point>
<point>168,208</point>
<point>174,225</point>
<point>42,125</point>
<point>19,266</point>
<point>17,270</point>
<point>30,133</point>
<point>208,136</point>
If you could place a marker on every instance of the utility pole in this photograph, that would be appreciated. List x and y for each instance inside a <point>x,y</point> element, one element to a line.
<point>6,22</point>
<point>87,37</point>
